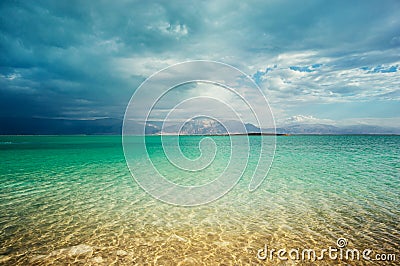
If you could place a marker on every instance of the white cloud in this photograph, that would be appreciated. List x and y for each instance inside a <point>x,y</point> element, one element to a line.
<point>395,40</point>
<point>177,30</point>
<point>307,119</point>
<point>142,65</point>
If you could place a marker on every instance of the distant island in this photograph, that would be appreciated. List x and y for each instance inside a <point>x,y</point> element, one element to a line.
<point>260,134</point>
<point>232,134</point>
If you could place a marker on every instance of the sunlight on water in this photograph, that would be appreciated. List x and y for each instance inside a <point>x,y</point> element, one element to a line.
<point>72,199</point>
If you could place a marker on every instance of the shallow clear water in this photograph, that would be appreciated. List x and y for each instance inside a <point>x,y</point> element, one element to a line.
<point>66,199</point>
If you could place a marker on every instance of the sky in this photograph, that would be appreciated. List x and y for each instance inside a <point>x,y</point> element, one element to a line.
<point>330,62</point>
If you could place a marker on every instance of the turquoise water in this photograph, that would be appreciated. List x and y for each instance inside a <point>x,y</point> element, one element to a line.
<point>71,199</point>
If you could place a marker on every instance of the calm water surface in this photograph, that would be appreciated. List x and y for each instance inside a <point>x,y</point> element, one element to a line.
<point>71,199</point>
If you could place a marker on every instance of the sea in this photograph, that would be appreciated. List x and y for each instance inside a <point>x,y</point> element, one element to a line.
<point>72,200</point>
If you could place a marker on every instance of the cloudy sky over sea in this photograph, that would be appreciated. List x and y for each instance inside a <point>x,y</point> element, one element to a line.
<point>331,62</point>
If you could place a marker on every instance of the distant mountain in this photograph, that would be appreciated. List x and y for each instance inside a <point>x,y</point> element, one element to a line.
<point>329,129</point>
<point>309,129</point>
<point>368,129</point>
<point>250,128</point>
<point>203,126</point>
<point>45,126</point>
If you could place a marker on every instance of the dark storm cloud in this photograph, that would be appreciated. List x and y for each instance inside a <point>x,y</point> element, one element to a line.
<point>59,55</point>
